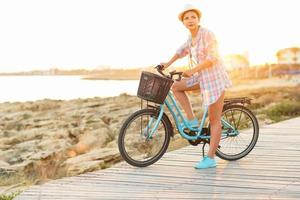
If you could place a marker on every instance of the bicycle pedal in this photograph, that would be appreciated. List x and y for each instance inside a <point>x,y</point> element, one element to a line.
<point>189,132</point>
<point>205,131</point>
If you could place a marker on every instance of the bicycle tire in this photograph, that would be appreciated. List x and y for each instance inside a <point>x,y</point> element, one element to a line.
<point>255,133</point>
<point>121,140</point>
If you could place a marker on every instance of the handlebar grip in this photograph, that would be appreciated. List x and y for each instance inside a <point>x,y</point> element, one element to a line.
<point>159,67</point>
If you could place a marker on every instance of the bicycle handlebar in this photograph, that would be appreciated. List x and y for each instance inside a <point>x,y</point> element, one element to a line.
<point>160,68</point>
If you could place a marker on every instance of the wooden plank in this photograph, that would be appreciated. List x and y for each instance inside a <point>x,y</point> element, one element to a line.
<point>270,171</point>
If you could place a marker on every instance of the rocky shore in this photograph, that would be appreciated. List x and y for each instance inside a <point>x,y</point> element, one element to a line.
<point>49,139</point>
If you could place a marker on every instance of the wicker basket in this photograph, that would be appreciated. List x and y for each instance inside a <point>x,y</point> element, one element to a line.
<point>153,87</point>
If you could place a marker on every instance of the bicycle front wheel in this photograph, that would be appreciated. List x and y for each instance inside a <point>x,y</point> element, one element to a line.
<point>244,123</point>
<point>136,146</point>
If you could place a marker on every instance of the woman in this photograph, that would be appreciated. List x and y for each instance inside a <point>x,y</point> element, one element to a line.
<point>206,73</point>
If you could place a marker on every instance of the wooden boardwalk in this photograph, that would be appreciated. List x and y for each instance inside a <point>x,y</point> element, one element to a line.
<point>270,171</point>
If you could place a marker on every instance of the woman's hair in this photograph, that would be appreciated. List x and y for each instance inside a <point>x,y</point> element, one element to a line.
<point>197,13</point>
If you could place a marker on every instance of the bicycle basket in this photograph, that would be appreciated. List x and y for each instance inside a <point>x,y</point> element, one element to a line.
<point>153,87</point>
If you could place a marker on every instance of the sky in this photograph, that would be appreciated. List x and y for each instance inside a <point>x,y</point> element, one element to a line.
<point>73,34</point>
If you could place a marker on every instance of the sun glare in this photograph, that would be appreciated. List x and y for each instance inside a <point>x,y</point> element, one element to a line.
<point>87,34</point>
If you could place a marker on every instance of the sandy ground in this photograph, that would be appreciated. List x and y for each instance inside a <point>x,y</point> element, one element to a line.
<point>266,83</point>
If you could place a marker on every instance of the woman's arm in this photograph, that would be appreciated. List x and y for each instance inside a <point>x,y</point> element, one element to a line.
<point>180,53</point>
<point>204,65</point>
<point>172,60</point>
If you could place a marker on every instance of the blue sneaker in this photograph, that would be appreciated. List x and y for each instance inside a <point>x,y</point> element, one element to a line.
<point>207,162</point>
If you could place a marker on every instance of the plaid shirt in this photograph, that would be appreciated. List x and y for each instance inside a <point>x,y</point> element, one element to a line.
<point>213,80</point>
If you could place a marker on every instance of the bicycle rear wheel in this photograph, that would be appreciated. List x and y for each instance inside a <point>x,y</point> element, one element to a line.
<point>135,145</point>
<point>236,146</point>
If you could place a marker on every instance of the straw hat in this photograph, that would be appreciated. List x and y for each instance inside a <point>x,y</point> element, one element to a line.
<point>186,8</point>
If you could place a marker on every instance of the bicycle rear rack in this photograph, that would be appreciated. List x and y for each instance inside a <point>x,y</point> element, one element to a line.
<point>239,100</point>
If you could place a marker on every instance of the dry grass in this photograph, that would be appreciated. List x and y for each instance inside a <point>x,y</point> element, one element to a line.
<point>275,104</point>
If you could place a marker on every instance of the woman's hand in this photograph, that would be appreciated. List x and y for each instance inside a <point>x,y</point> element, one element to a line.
<point>188,73</point>
<point>166,65</point>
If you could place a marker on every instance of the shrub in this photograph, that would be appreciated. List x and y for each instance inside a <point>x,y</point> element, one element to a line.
<point>283,110</point>
<point>9,196</point>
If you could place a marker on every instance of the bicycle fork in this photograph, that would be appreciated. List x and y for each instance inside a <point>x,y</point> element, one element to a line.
<point>152,125</point>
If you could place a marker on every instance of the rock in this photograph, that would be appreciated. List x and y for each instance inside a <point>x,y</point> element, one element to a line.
<point>112,144</point>
<point>50,139</point>
<point>42,155</point>
<point>96,124</point>
<point>41,105</point>
<point>87,166</point>
<point>21,167</point>
<point>23,136</point>
<point>76,132</point>
<point>54,145</point>
<point>105,154</point>
<point>61,134</point>
<point>113,133</point>
<point>8,154</point>
<point>92,139</point>
<point>5,147</point>
<point>106,119</point>
<point>3,164</point>
<point>27,146</point>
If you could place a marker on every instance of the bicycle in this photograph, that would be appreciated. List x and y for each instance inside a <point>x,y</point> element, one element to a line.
<point>145,135</point>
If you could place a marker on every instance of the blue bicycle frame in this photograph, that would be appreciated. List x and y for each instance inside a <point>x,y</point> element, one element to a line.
<point>181,122</point>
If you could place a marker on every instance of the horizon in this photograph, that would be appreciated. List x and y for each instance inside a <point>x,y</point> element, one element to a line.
<point>77,34</point>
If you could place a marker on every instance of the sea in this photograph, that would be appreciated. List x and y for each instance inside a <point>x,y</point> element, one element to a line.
<point>32,88</point>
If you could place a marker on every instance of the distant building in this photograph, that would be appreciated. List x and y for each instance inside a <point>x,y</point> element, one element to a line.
<point>289,56</point>
<point>236,61</point>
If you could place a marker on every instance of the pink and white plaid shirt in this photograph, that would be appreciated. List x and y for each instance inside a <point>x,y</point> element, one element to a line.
<point>214,80</point>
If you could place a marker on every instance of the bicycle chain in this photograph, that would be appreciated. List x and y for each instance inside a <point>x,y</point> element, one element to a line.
<point>198,141</point>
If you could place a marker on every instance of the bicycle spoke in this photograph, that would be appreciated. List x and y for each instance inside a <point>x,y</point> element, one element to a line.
<point>226,117</point>
<point>233,119</point>
<point>237,146</point>
<point>135,144</point>
<point>237,127</point>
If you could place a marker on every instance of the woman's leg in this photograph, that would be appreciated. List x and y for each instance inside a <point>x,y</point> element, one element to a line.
<point>215,113</point>
<point>179,89</point>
